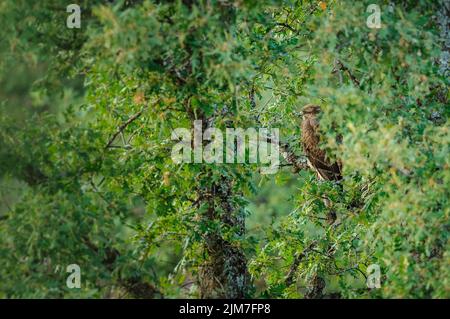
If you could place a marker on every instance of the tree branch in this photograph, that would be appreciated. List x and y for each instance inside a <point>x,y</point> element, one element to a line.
<point>134,285</point>
<point>338,65</point>
<point>288,154</point>
<point>125,124</point>
<point>297,260</point>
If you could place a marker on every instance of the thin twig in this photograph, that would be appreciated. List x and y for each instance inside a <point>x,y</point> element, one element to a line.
<point>340,66</point>
<point>285,25</point>
<point>297,260</point>
<point>125,124</point>
<point>296,161</point>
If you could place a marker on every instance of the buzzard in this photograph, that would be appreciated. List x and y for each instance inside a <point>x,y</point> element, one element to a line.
<point>317,159</point>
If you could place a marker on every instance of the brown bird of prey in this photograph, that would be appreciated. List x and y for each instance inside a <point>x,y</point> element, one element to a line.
<point>317,159</point>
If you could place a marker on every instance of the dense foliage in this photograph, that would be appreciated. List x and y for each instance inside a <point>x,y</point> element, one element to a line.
<point>87,178</point>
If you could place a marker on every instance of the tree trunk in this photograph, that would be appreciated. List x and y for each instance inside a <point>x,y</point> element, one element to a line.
<point>224,272</point>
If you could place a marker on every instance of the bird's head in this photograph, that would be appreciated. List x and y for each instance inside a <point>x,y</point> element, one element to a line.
<point>311,110</point>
